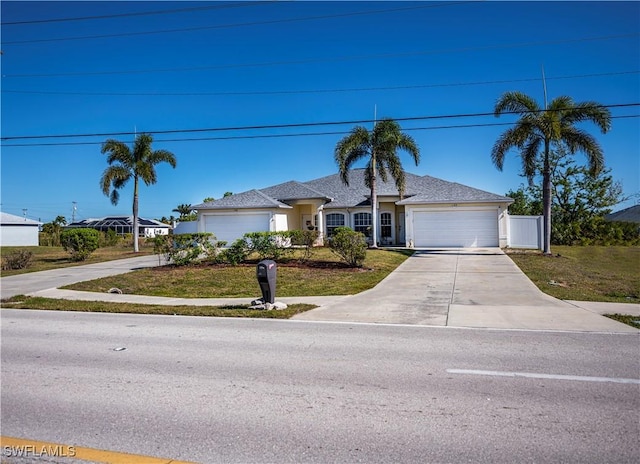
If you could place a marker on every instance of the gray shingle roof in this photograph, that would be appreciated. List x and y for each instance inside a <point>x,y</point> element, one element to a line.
<point>418,190</point>
<point>293,190</point>
<point>631,214</point>
<point>249,199</point>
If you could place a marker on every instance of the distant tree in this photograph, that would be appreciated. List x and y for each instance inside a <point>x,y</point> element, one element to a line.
<point>186,213</point>
<point>227,194</point>
<point>137,164</point>
<point>208,200</point>
<point>379,147</point>
<point>52,230</point>
<point>538,131</point>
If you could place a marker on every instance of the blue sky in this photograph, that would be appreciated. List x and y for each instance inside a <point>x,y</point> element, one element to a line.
<point>238,65</point>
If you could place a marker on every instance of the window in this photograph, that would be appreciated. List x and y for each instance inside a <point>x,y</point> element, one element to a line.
<point>362,223</point>
<point>385,225</point>
<point>334,220</point>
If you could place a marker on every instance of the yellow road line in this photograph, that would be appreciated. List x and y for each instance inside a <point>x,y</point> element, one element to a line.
<point>15,447</point>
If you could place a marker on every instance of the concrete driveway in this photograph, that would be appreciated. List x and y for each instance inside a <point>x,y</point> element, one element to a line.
<point>470,287</point>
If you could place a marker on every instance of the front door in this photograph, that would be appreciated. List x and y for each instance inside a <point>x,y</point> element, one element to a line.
<point>400,234</point>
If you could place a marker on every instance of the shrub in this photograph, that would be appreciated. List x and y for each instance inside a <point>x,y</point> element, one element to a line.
<point>18,259</point>
<point>185,249</point>
<point>269,245</point>
<point>109,238</point>
<point>80,243</point>
<point>305,239</point>
<point>236,253</point>
<point>349,245</point>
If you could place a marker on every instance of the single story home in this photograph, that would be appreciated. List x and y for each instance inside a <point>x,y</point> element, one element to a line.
<point>18,230</point>
<point>432,213</point>
<point>122,225</point>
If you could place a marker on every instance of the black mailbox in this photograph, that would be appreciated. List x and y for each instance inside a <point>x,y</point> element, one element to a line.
<point>266,273</point>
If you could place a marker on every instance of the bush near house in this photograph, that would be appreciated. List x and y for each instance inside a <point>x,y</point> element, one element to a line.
<point>80,243</point>
<point>186,249</point>
<point>349,245</point>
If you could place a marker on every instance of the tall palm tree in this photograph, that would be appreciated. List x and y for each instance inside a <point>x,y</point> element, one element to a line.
<point>538,132</point>
<point>380,147</point>
<point>126,164</point>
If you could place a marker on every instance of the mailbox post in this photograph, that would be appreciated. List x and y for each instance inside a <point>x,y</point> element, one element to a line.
<point>266,273</point>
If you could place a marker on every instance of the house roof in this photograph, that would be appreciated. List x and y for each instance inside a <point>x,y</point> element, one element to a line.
<point>631,214</point>
<point>294,190</point>
<point>331,189</point>
<point>250,199</point>
<point>113,221</point>
<point>7,219</point>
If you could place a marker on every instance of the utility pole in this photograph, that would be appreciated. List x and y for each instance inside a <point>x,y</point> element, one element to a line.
<point>24,213</point>
<point>73,211</point>
<point>544,88</point>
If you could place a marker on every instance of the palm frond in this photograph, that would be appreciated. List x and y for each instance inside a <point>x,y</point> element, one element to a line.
<point>515,102</point>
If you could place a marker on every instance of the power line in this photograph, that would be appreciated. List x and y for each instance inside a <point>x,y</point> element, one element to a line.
<point>227,26</point>
<point>142,13</point>
<point>314,91</point>
<point>325,60</point>
<point>235,137</point>
<point>270,136</point>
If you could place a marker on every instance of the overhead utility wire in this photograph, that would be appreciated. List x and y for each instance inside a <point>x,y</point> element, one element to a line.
<point>329,59</point>
<point>288,125</point>
<point>269,136</point>
<point>140,13</point>
<point>227,26</point>
<point>312,91</point>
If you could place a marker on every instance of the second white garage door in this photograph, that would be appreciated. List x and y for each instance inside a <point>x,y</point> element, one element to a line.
<point>230,227</point>
<point>467,229</point>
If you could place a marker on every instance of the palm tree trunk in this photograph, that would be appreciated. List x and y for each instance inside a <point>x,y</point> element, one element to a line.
<point>374,203</point>
<point>546,200</point>
<point>135,215</point>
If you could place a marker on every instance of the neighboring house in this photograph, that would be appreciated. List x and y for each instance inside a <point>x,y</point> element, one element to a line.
<point>122,225</point>
<point>18,231</point>
<point>631,214</point>
<point>433,212</point>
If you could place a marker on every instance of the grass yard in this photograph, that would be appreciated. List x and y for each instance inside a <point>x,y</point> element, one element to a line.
<point>45,257</point>
<point>25,302</point>
<point>323,275</point>
<point>585,273</point>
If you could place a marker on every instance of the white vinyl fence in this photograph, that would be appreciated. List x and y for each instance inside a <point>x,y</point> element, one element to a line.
<point>187,227</point>
<point>525,232</point>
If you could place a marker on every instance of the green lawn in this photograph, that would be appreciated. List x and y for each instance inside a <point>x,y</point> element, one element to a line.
<point>25,302</point>
<point>324,275</point>
<point>585,273</point>
<point>45,257</point>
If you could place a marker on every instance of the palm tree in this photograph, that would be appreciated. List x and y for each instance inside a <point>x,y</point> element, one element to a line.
<point>380,148</point>
<point>538,133</point>
<point>126,164</point>
<point>184,210</point>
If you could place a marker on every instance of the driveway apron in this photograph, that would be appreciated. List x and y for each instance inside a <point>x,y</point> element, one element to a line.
<point>465,287</point>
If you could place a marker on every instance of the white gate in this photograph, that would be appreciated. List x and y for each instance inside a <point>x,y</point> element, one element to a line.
<point>525,232</point>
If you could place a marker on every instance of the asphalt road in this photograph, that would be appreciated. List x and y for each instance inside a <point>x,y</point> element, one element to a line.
<point>230,390</point>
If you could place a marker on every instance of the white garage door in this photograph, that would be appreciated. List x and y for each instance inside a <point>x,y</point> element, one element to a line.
<point>466,229</point>
<point>230,227</point>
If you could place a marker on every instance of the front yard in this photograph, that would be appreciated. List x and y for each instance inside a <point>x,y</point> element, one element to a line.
<point>585,273</point>
<point>590,273</point>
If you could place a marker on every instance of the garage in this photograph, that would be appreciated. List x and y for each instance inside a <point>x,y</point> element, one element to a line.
<point>459,228</point>
<point>230,227</point>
